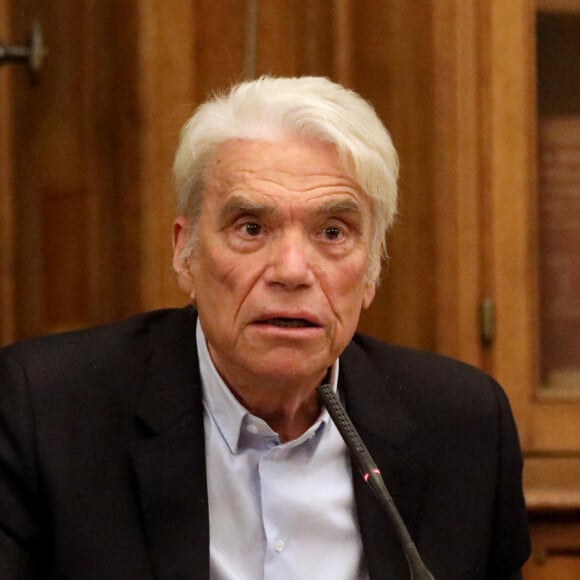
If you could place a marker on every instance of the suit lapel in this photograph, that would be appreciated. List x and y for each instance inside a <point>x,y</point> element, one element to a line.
<point>169,458</point>
<point>388,431</point>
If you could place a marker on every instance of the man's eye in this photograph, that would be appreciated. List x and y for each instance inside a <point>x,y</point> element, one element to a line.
<point>251,229</point>
<point>332,233</point>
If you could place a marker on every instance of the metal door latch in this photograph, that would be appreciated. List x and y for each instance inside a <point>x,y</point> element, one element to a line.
<point>33,55</point>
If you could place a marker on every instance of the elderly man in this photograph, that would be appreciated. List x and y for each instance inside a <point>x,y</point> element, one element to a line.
<point>192,443</point>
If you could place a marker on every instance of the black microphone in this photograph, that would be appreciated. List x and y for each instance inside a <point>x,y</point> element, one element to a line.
<point>372,476</point>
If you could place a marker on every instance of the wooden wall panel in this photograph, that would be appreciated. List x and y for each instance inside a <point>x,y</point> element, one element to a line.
<point>7,242</point>
<point>392,67</point>
<point>295,37</point>
<point>164,90</point>
<point>456,188</point>
<point>104,51</point>
<point>220,45</point>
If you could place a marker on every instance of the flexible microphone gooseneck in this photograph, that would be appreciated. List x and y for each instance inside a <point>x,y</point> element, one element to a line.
<point>372,476</point>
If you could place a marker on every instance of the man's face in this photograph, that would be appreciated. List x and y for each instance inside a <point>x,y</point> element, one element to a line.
<point>279,267</point>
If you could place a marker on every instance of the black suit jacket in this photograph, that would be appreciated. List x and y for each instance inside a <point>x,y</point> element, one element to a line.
<point>102,469</point>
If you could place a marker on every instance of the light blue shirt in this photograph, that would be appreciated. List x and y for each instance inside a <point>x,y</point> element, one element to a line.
<point>277,511</point>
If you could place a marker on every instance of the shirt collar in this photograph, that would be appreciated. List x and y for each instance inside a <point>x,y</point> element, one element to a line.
<point>231,418</point>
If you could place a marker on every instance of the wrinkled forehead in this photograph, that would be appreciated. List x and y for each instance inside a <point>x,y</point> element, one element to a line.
<point>295,162</point>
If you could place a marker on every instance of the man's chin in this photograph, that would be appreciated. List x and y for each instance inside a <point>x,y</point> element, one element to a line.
<point>297,368</point>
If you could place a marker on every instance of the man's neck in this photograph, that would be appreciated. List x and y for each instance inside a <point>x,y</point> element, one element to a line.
<point>288,412</point>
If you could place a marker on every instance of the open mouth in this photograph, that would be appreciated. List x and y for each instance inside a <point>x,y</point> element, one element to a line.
<point>288,322</point>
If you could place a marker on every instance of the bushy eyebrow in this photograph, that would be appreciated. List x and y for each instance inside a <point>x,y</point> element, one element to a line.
<point>239,205</point>
<point>340,206</point>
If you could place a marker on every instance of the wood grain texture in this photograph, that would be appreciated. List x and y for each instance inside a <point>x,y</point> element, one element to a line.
<point>343,39</point>
<point>164,81</point>
<point>456,181</point>
<point>392,67</point>
<point>7,218</point>
<point>295,37</point>
<point>220,42</point>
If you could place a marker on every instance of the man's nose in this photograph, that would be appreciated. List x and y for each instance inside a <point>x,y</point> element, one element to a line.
<point>290,262</point>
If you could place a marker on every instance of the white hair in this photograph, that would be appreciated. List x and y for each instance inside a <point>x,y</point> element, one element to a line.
<point>270,108</point>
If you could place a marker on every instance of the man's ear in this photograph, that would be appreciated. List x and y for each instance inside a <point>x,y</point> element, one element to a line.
<point>369,294</point>
<point>181,233</point>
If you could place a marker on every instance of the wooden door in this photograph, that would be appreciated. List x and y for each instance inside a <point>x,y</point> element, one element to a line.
<point>63,159</point>
<point>85,158</point>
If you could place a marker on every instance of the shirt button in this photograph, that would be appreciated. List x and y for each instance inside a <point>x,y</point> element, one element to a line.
<point>279,545</point>
<point>253,428</point>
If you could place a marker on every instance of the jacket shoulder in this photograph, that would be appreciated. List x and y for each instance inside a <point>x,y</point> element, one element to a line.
<point>433,386</point>
<point>401,361</point>
<point>78,355</point>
